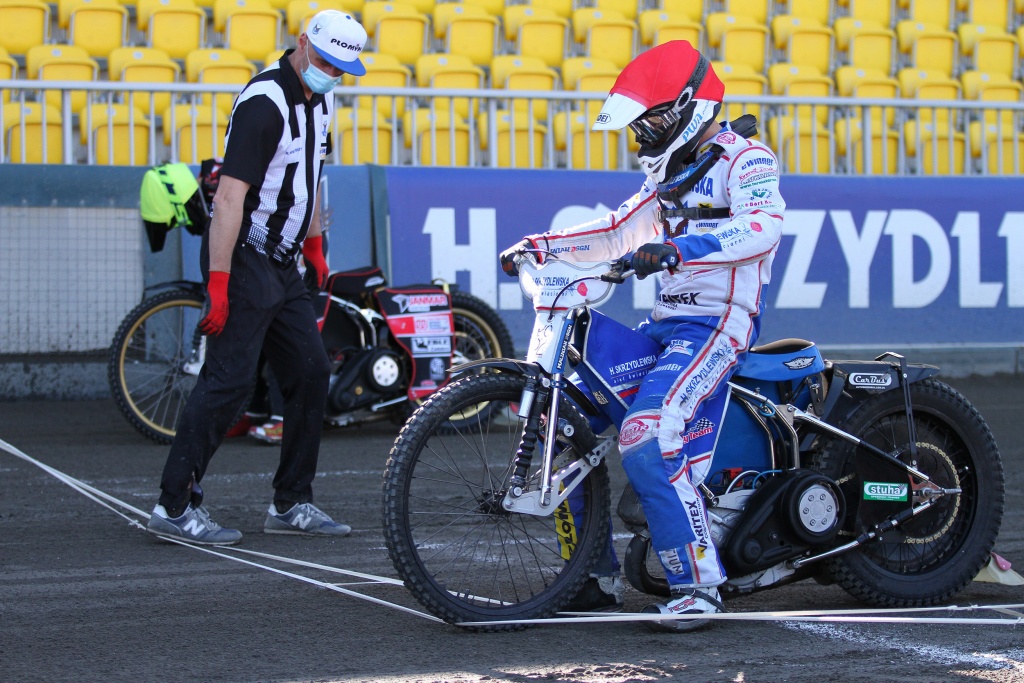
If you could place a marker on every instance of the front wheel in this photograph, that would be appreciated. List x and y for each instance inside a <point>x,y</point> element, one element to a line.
<point>154,362</point>
<point>459,552</point>
<point>937,553</point>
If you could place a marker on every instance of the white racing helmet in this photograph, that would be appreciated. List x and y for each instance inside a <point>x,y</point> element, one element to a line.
<point>668,96</point>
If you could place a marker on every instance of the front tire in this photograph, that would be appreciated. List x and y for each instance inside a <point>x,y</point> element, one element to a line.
<point>936,554</point>
<point>458,551</point>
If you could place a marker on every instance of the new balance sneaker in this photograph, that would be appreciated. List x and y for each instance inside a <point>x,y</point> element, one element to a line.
<point>305,519</point>
<point>688,601</point>
<point>269,432</point>
<point>194,526</point>
<point>598,594</point>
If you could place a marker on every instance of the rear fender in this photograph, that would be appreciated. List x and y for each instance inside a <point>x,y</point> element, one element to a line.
<point>526,369</point>
<point>853,382</point>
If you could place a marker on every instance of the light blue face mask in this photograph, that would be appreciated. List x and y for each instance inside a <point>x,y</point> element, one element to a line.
<point>317,80</point>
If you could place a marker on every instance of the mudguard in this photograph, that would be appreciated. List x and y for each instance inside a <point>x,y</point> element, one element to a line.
<point>420,319</point>
<point>854,381</point>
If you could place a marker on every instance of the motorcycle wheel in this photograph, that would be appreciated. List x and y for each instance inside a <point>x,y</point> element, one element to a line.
<point>145,367</point>
<point>479,333</point>
<point>936,554</point>
<point>459,552</point>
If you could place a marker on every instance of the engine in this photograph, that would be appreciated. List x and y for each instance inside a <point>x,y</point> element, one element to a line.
<point>366,378</point>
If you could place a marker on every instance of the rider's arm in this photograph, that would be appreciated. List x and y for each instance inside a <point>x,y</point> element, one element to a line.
<point>755,228</point>
<point>608,237</point>
<point>226,221</point>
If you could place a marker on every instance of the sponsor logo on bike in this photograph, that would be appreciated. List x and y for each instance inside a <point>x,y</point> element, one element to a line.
<point>871,380</point>
<point>374,281</point>
<point>885,491</point>
<point>575,247</point>
<point>799,363</point>
<point>633,431</point>
<point>565,527</point>
<point>436,369</point>
<point>431,345</point>
<point>418,303</point>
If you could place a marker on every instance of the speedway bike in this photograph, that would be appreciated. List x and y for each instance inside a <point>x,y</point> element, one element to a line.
<point>872,474</point>
<point>389,347</point>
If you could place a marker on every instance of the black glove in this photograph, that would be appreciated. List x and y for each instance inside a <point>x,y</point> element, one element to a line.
<point>654,258</point>
<point>508,257</point>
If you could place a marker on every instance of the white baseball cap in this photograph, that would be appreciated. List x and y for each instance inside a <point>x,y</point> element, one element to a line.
<point>338,38</point>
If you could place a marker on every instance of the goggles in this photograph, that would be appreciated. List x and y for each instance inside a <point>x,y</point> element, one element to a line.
<point>651,128</point>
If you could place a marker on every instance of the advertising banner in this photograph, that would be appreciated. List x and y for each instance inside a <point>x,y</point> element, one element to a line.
<point>874,261</point>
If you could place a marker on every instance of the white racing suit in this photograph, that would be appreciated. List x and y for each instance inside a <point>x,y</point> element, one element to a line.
<point>706,316</point>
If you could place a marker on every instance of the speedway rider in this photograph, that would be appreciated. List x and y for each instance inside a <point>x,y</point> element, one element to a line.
<point>711,213</point>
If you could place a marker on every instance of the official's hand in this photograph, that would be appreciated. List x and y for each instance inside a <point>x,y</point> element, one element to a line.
<point>217,293</point>
<point>313,253</point>
<point>653,258</point>
<point>508,257</point>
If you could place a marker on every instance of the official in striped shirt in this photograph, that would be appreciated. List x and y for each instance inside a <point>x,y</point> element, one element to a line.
<point>265,212</point>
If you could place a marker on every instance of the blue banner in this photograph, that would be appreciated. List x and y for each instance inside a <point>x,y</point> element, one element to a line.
<point>875,261</point>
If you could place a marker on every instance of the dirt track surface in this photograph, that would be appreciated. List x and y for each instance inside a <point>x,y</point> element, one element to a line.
<point>84,596</point>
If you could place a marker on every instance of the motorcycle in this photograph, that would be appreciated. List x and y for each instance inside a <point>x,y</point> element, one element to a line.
<point>389,348</point>
<point>872,474</point>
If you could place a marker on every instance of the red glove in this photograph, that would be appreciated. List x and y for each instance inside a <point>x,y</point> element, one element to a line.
<point>313,253</point>
<point>217,293</point>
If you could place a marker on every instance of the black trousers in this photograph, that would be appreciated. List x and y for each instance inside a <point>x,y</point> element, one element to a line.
<point>269,308</point>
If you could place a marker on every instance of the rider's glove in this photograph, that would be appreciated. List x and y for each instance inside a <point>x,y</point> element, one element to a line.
<point>217,293</point>
<point>653,258</point>
<point>313,254</point>
<point>508,257</point>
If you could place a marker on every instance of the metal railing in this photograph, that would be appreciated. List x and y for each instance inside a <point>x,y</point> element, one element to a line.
<point>503,128</point>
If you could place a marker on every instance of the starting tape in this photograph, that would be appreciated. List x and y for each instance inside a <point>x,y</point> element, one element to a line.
<point>1014,612</point>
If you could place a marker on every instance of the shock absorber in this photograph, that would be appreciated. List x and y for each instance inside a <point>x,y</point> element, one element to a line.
<point>533,402</point>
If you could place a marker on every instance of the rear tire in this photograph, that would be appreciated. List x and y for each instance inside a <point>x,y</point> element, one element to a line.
<point>458,551</point>
<point>936,554</point>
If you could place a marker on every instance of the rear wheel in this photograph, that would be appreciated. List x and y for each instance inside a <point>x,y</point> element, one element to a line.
<point>459,551</point>
<point>937,553</point>
<point>154,362</point>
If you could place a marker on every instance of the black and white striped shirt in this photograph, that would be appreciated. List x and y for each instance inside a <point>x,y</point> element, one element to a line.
<point>277,142</point>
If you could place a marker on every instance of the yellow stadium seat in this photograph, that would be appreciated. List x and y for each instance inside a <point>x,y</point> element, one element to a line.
<point>584,148</point>
<point>253,31</point>
<point>803,145</point>
<point>986,87</point>
<point>794,80</point>
<point>541,78</point>
<point>994,13</point>
<point>612,39</point>
<point>879,11</point>
<point>436,138</point>
<point>816,10</point>
<point>627,8</point>
<point>885,147</point>
<point>493,7</point>
<point>864,84</point>
<point>803,41</point>
<point>221,66</point>
<point>937,151</point>
<point>445,12</point>
<point>930,46</point>
<point>23,25</point>
<point>519,140</point>
<point>422,6</point>
<point>144,10</point>
<point>753,9</point>
<point>502,65</point>
<point>374,10</point>
<point>692,9</point>
<point>989,49</point>
<point>473,36</point>
<point>543,37</point>
<point>401,34</point>
<point>300,11</point>
<point>562,8</point>
<point>32,133</point>
<point>739,40</point>
<point>739,80</point>
<point>929,85</point>
<point>62,63</point>
<point>8,71</point>
<point>429,64</point>
<point>382,71</point>
<point>364,138</point>
<point>658,26</point>
<point>444,71</point>
<point>575,67</point>
<point>1003,157</point>
<point>273,56</point>
<point>143,65</point>
<point>938,12</point>
<point>177,29</point>
<point>115,134</point>
<point>99,26</point>
<point>221,9</point>
<point>514,15</point>
<point>866,44</point>
<point>195,132</point>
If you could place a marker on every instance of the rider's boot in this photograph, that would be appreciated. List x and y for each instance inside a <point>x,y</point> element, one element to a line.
<point>598,594</point>
<point>685,600</point>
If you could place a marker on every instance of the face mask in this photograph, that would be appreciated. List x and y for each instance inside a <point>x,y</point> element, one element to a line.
<point>317,80</point>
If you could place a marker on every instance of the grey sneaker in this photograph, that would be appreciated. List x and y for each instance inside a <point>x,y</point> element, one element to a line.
<point>194,526</point>
<point>688,601</point>
<point>304,519</point>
